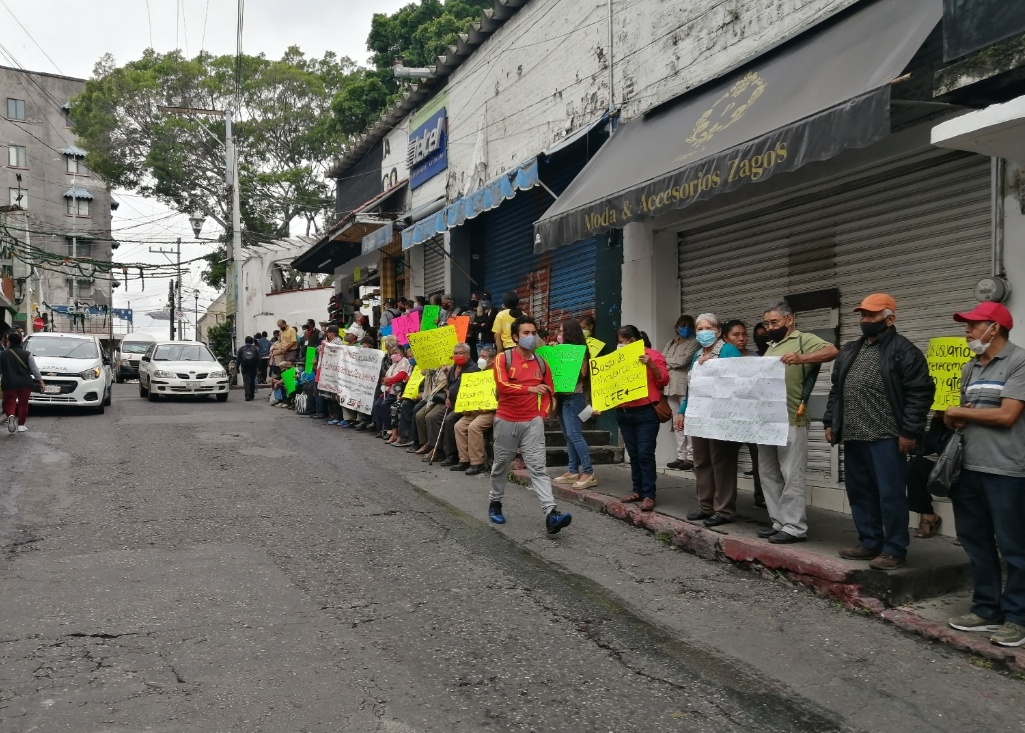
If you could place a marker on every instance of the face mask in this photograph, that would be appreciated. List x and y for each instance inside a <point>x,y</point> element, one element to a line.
<point>460,359</point>
<point>482,363</point>
<point>977,346</point>
<point>412,361</point>
<point>559,338</point>
<point>587,333</point>
<point>473,304</point>
<point>620,346</point>
<point>396,358</point>
<point>684,332</point>
<point>874,328</point>
<point>706,338</point>
<point>528,342</point>
<point>775,335</point>
<point>485,304</point>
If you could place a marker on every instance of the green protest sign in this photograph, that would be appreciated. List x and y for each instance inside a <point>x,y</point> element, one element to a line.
<point>429,319</point>
<point>311,356</point>
<point>288,380</point>
<point>565,361</point>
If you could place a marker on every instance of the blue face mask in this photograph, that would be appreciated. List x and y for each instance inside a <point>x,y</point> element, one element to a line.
<point>684,332</point>
<point>706,338</point>
<point>412,361</point>
<point>528,342</point>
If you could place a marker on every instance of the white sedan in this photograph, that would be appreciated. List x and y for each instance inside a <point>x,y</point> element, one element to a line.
<point>181,368</point>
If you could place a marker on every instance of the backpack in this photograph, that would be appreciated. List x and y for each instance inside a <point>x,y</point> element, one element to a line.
<point>250,355</point>
<point>540,362</point>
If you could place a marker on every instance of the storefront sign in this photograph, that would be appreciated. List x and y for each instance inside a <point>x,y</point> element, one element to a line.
<point>565,361</point>
<point>946,357</point>
<point>739,400</point>
<point>477,392</point>
<point>427,154</point>
<point>433,349</point>
<point>619,377</point>
<point>378,238</point>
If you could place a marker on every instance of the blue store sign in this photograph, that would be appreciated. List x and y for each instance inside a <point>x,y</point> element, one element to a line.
<point>427,154</point>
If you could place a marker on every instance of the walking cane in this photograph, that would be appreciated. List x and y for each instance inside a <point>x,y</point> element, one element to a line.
<point>438,441</point>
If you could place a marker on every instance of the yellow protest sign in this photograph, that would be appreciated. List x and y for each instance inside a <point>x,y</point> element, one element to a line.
<point>433,349</point>
<point>946,356</point>
<point>413,385</point>
<point>618,377</point>
<point>594,346</point>
<point>477,392</point>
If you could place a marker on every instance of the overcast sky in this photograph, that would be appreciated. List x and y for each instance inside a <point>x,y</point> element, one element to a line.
<point>60,36</point>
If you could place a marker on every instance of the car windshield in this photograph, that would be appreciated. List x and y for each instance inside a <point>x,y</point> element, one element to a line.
<point>182,352</point>
<point>134,347</point>
<point>67,348</point>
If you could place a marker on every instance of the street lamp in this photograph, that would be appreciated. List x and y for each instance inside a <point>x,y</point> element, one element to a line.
<point>197,221</point>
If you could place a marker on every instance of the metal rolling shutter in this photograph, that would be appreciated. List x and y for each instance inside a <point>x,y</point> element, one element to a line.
<point>571,291</point>
<point>509,254</point>
<point>917,227</point>
<point>434,266</point>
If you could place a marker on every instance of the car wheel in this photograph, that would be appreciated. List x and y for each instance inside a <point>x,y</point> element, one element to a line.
<point>143,392</point>
<point>153,397</point>
<point>101,408</point>
<point>109,397</point>
<point>222,397</point>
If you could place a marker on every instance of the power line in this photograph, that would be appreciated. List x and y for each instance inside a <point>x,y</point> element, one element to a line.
<point>31,38</point>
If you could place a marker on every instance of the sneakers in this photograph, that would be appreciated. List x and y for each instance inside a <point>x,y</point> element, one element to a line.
<point>495,513</point>
<point>1009,634</point>
<point>886,561</point>
<point>587,480</point>
<point>975,622</point>
<point>859,552</point>
<point>22,429</point>
<point>403,444</point>
<point>556,520</point>
<point>12,423</point>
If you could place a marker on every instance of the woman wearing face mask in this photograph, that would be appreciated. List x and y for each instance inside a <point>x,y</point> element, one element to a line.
<point>736,334</point>
<point>638,423</point>
<point>579,473</point>
<point>587,325</point>
<point>715,461</point>
<point>679,353</point>
<point>392,383</point>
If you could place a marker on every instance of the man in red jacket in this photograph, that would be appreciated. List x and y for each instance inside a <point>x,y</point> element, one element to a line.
<point>525,392</point>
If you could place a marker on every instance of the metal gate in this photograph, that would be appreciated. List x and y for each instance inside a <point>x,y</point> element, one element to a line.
<point>434,266</point>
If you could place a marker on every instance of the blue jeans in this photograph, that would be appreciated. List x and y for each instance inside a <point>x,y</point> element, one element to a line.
<point>572,428</point>
<point>639,428</point>
<point>875,475</point>
<point>990,513</point>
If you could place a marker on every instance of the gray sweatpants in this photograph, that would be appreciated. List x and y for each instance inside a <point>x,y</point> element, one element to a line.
<point>783,470</point>
<point>527,438</point>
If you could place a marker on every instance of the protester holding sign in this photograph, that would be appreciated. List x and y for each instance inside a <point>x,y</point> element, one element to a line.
<point>579,473</point>
<point>441,424</point>
<point>638,423</point>
<point>473,424</point>
<point>715,461</point>
<point>524,387</point>
<point>392,384</point>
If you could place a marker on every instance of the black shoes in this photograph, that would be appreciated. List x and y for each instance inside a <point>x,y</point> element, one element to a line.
<point>699,516</point>
<point>715,520</point>
<point>459,467</point>
<point>450,461</point>
<point>475,470</point>
<point>782,538</point>
<point>681,465</point>
<point>767,532</point>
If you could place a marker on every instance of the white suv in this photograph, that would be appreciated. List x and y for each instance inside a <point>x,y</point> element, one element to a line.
<point>74,368</point>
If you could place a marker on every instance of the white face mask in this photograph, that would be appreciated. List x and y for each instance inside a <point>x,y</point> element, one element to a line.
<point>482,363</point>
<point>977,346</point>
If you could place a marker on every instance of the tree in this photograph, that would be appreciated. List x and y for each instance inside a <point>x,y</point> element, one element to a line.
<point>218,338</point>
<point>284,134</point>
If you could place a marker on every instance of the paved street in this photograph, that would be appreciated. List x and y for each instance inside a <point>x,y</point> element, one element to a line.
<point>195,566</point>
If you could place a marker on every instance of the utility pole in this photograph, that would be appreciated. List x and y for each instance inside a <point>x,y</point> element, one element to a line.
<point>197,315</point>
<point>176,286</point>
<point>170,305</point>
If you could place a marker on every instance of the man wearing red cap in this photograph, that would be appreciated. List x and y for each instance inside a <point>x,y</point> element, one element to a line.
<point>989,499</point>
<point>880,397</point>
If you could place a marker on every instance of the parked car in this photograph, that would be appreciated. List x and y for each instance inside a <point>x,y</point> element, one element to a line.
<point>74,368</point>
<point>181,368</point>
<point>128,353</point>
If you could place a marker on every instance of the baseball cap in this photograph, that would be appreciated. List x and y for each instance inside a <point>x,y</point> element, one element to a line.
<point>988,311</point>
<point>877,302</point>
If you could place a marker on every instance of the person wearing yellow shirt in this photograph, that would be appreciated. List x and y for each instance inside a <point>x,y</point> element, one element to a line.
<point>504,320</point>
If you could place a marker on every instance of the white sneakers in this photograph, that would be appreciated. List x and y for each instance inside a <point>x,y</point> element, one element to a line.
<point>22,429</point>
<point>12,423</point>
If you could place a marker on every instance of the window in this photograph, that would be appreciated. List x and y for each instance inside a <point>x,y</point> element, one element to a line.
<point>15,109</point>
<point>17,156</point>
<point>19,197</point>
<point>76,166</point>
<point>84,248</point>
<point>77,207</point>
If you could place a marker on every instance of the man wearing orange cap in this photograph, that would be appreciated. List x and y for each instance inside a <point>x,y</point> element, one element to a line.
<point>880,396</point>
<point>989,499</point>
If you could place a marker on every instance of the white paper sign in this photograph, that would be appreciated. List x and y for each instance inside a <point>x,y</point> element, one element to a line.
<point>743,400</point>
<point>352,374</point>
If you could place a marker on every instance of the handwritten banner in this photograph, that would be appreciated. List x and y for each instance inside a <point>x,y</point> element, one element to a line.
<point>288,380</point>
<point>565,361</point>
<point>594,346</point>
<point>402,326</point>
<point>462,326</point>
<point>311,356</point>
<point>433,349</point>
<point>416,378</point>
<point>476,392</point>
<point>352,374</point>
<point>429,321</point>
<point>739,400</point>
<point>946,356</point>
<point>618,377</point>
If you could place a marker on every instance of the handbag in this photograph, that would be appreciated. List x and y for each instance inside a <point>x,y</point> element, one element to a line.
<point>944,475</point>
<point>36,388</point>
<point>663,410</point>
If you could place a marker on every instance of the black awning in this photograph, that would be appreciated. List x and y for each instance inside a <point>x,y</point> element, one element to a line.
<point>326,256</point>
<point>825,92</point>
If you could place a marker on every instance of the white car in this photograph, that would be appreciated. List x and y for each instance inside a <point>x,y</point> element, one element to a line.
<point>181,368</point>
<point>74,369</point>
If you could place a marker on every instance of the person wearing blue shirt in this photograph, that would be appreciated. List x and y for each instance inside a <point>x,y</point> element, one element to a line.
<point>715,461</point>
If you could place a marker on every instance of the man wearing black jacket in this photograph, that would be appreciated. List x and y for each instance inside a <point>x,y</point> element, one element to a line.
<point>878,403</point>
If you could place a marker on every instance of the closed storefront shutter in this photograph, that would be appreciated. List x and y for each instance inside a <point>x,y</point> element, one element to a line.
<point>917,228</point>
<point>434,266</point>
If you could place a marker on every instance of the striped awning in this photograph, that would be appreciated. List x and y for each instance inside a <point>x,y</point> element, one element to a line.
<point>77,193</point>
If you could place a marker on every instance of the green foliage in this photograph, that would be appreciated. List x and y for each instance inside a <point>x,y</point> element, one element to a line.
<point>219,339</point>
<point>216,273</point>
<point>362,102</point>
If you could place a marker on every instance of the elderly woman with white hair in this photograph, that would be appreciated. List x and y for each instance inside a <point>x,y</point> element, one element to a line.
<point>715,461</point>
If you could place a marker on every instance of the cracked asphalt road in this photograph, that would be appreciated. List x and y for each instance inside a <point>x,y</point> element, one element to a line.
<point>231,567</point>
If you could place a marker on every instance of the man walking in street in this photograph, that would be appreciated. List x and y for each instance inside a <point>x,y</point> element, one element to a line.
<point>989,498</point>
<point>783,468</point>
<point>880,396</point>
<point>248,360</point>
<point>525,393</point>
